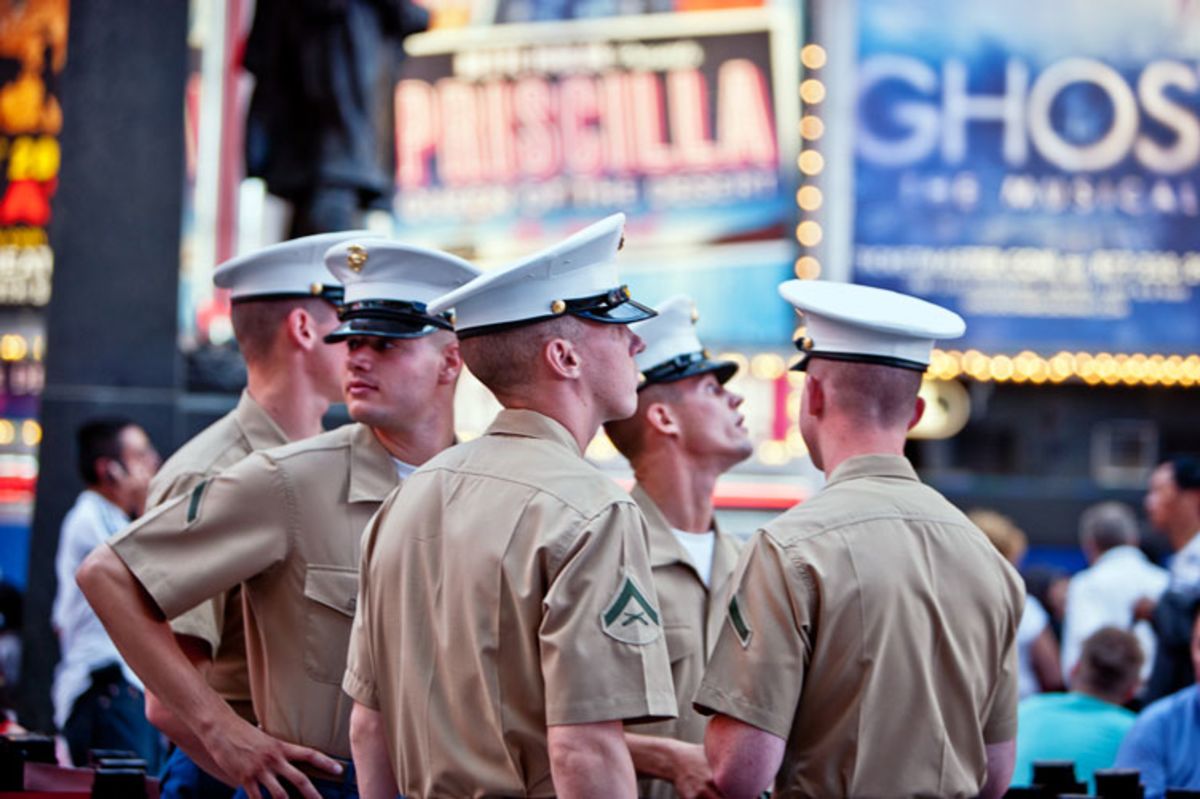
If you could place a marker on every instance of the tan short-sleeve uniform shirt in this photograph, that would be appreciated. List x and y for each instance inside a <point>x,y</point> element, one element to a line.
<point>692,616</point>
<point>286,524</point>
<point>506,587</point>
<point>873,628</point>
<point>218,622</point>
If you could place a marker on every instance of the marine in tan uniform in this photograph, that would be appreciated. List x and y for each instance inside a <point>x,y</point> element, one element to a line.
<point>287,525</point>
<point>508,624</point>
<point>686,432</point>
<point>870,648</point>
<point>283,305</point>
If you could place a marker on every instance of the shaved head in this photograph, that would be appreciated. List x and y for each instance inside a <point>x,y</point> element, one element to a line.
<point>502,361</point>
<point>629,435</point>
<point>257,323</point>
<point>880,396</point>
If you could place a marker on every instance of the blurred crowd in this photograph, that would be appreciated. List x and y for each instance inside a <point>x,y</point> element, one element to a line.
<point>1109,657</point>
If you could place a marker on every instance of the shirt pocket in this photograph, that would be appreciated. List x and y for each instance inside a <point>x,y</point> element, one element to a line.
<point>331,593</point>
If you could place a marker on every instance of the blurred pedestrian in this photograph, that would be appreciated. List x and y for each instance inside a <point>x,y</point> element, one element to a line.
<point>1085,726</point>
<point>1164,743</point>
<point>1107,592</point>
<point>1037,648</point>
<point>98,700</point>
<point>1173,506</point>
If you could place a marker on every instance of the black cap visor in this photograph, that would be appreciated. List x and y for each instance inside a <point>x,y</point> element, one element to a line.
<point>854,357</point>
<point>689,365</point>
<point>386,319</point>
<point>614,307</point>
<point>332,293</point>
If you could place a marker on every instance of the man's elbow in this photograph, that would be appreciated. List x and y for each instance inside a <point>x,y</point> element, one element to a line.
<point>366,724</point>
<point>98,573</point>
<point>162,719</point>
<point>1001,762</point>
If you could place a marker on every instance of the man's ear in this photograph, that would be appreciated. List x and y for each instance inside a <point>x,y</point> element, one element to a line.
<point>452,363</point>
<point>814,395</point>
<point>301,329</point>
<point>661,418</point>
<point>563,358</point>
<point>918,412</point>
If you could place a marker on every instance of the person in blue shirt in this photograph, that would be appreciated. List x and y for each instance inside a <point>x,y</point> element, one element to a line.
<point>1164,743</point>
<point>1086,725</point>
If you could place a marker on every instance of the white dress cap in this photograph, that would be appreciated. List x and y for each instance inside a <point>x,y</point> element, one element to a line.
<point>577,276</point>
<point>847,322</point>
<point>389,286</point>
<point>673,350</point>
<point>294,268</point>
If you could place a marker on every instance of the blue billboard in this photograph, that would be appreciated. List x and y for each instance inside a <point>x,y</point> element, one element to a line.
<point>1034,166</point>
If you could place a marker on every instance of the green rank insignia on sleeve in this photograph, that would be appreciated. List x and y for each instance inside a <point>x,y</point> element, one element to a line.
<point>630,617</point>
<point>738,622</point>
<point>193,511</point>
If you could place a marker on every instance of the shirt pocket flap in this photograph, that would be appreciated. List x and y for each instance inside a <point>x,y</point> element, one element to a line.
<point>334,587</point>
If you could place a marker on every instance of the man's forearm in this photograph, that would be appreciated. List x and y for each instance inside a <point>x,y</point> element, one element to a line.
<point>591,761</point>
<point>744,759</point>
<point>369,746</point>
<point>653,756</point>
<point>1001,760</point>
<point>170,725</point>
<point>139,631</point>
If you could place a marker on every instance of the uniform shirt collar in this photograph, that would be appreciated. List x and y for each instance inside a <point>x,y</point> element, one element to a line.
<point>372,470</point>
<point>531,424</point>
<point>256,424</point>
<point>895,466</point>
<point>664,548</point>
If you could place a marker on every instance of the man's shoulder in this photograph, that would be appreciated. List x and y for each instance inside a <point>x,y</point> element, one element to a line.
<point>851,504</point>
<point>1179,705</point>
<point>314,451</point>
<point>213,449</point>
<point>543,469</point>
<point>83,513</point>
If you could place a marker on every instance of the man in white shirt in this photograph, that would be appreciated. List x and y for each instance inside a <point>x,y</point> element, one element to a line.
<point>686,432</point>
<point>1173,507</point>
<point>1106,593</point>
<point>98,700</point>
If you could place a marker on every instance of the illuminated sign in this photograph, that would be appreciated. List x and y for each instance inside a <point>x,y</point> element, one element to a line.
<point>1035,174</point>
<point>674,119</point>
<point>33,51</point>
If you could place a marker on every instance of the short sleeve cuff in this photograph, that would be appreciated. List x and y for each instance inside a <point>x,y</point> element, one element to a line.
<point>360,689</point>
<point>630,708</point>
<point>200,623</point>
<point>710,700</point>
<point>150,573</point>
<point>1000,730</point>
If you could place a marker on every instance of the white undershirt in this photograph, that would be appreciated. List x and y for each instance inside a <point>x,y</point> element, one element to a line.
<point>403,470</point>
<point>699,547</point>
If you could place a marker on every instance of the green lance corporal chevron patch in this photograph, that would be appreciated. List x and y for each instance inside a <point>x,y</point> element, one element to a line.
<point>193,511</point>
<point>738,622</point>
<point>629,616</point>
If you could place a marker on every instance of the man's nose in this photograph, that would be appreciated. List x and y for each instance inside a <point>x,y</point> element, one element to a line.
<point>636,344</point>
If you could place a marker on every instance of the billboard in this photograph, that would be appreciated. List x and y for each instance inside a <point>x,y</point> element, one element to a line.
<point>1036,174</point>
<point>511,137</point>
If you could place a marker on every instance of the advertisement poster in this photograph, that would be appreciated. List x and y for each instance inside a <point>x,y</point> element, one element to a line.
<point>1038,175</point>
<point>513,137</point>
